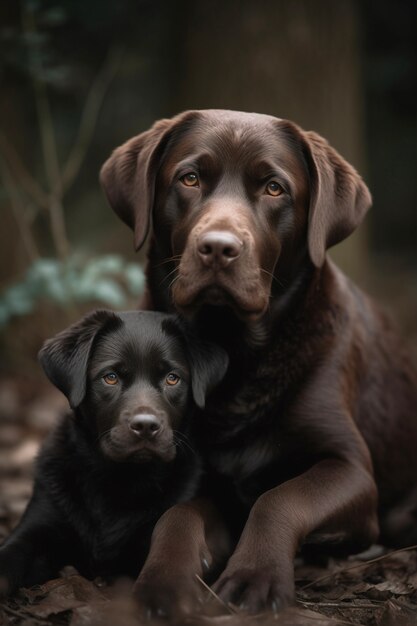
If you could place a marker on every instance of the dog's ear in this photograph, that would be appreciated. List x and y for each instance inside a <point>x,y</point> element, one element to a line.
<point>208,364</point>
<point>64,358</point>
<point>339,198</point>
<point>128,176</point>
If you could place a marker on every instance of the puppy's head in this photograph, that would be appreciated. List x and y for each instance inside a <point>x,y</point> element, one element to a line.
<point>238,201</point>
<point>134,377</point>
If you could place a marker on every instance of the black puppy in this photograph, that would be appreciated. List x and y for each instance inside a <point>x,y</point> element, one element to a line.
<point>121,458</point>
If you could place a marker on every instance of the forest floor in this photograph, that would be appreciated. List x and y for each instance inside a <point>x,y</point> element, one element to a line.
<point>377,588</point>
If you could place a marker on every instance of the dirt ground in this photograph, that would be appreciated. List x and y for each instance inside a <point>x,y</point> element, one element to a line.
<point>377,588</point>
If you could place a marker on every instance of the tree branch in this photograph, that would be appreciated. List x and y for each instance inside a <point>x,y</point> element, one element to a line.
<point>19,212</point>
<point>26,180</point>
<point>90,115</point>
<point>50,154</point>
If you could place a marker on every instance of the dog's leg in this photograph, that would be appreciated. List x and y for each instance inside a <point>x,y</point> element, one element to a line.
<point>21,566</point>
<point>334,496</point>
<point>188,541</point>
<point>34,551</point>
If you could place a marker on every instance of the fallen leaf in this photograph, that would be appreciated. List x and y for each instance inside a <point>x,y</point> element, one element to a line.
<point>62,594</point>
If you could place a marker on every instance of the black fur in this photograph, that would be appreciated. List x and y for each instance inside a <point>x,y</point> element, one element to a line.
<point>100,486</point>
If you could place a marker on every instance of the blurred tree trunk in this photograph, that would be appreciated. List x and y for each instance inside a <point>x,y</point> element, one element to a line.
<point>297,60</point>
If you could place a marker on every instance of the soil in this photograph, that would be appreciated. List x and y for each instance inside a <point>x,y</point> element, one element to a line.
<point>376,588</point>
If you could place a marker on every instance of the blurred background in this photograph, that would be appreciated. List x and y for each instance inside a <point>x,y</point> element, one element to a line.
<point>80,77</point>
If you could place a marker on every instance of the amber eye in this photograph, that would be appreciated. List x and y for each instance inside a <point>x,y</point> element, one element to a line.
<point>111,378</point>
<point>190,179</point>
<point>172,379</point>
<point>273,188</point>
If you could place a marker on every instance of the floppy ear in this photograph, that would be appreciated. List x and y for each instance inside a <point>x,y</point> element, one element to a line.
<point>208,364</point>
<point>64,358</point>
<point>339,199</point>
<point>128,176</point>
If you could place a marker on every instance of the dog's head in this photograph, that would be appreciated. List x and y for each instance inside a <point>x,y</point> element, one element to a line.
<point>133,376</point>
<point>237,202</point>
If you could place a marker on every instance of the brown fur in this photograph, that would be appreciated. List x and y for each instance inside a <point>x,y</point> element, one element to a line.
<point>312,435</point>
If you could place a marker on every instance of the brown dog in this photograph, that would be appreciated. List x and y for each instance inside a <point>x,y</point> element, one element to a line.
<point>312,436</point>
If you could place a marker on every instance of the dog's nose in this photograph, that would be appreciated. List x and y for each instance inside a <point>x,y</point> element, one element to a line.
<point>218,248</point>
<point>145,425</point>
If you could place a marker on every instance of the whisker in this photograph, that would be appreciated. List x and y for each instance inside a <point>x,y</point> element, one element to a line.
<point>168,275</point>
<point>179,443</point>
<point>181,438</point>
<point>103,434</point>
<point>280,283</point>
<point>173,281</point>
<point>171,259</point>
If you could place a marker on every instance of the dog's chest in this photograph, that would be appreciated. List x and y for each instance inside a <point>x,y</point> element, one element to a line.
<point>246,434</point>
<point>243,473</point>
<point>254,397</point>
<point>242,462</point>
<point>116,536</point>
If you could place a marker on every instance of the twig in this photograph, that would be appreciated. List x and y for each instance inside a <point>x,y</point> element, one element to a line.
<point>89,116</point>
<point>19,212</point>
<point>344,605</point>
<point>50,154</point>
<point>214,594</point>
<point>356,565</point>
<point>337,620</point>
<point>30,185</point>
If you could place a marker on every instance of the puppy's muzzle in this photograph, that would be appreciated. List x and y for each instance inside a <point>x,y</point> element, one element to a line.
<point>145,425</point>
<point>217,249</point>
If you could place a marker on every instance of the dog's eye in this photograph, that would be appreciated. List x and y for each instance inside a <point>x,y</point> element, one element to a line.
<point>274,189</point>
<point>172,379</point>
<point>190,179</point>
<point>111,378</point>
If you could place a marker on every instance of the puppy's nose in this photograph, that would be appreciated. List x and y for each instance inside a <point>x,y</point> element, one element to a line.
<point>145,425</point>
<point>218,248</point>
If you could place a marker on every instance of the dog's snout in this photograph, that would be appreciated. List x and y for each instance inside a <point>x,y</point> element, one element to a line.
<point>218,248</point>
<point>145,425</point>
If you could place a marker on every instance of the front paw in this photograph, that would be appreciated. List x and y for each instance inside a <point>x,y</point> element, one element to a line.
<point>161,595</point>
<point>256,588</point>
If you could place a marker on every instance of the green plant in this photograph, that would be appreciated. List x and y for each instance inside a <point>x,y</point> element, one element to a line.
<point>107,279</point>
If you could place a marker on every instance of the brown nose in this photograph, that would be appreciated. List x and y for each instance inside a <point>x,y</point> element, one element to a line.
<point>145,426</point>
<point>218,248</point>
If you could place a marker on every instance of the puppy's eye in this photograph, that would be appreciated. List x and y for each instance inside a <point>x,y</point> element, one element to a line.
<point>190,179</point>
<point>111,378</point>
<point>172,379</point>
<point>273,189</point>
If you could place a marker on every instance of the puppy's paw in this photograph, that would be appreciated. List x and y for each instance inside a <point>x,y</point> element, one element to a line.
<point>161,596</point>
<point>255,589</point>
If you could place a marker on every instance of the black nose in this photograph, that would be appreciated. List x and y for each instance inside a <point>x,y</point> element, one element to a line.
<point>145,425</point>
<point>218,248</point>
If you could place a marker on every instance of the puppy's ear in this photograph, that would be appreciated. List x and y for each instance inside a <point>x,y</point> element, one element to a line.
<point>128,176</point>
<point>208,363</point>
<point>64,358</point>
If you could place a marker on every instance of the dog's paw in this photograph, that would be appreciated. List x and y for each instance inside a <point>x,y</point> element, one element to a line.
<point>170,597</point>
<point>255,589</point>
